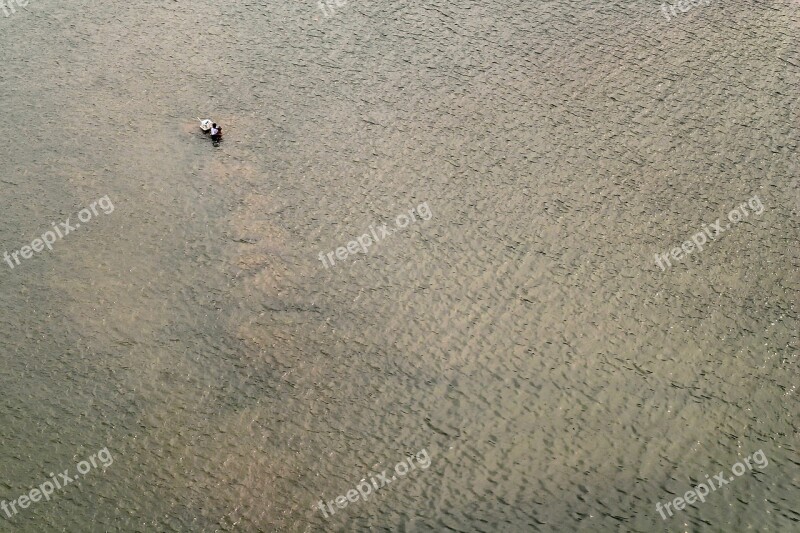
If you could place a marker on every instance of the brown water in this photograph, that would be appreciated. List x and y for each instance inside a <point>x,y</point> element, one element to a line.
<point>523,335</point>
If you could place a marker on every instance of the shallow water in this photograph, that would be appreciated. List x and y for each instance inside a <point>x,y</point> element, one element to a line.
<point>523,335</point>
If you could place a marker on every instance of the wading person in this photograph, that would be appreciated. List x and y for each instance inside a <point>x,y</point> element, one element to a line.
<point>216,132</point>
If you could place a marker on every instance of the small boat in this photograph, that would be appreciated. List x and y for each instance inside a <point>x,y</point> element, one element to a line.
<point>205,124</point>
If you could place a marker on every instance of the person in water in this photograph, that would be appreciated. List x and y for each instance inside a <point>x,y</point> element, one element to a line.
<point>216,132</point>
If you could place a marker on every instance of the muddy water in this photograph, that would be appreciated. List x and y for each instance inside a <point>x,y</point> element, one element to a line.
<point>523,335</point>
